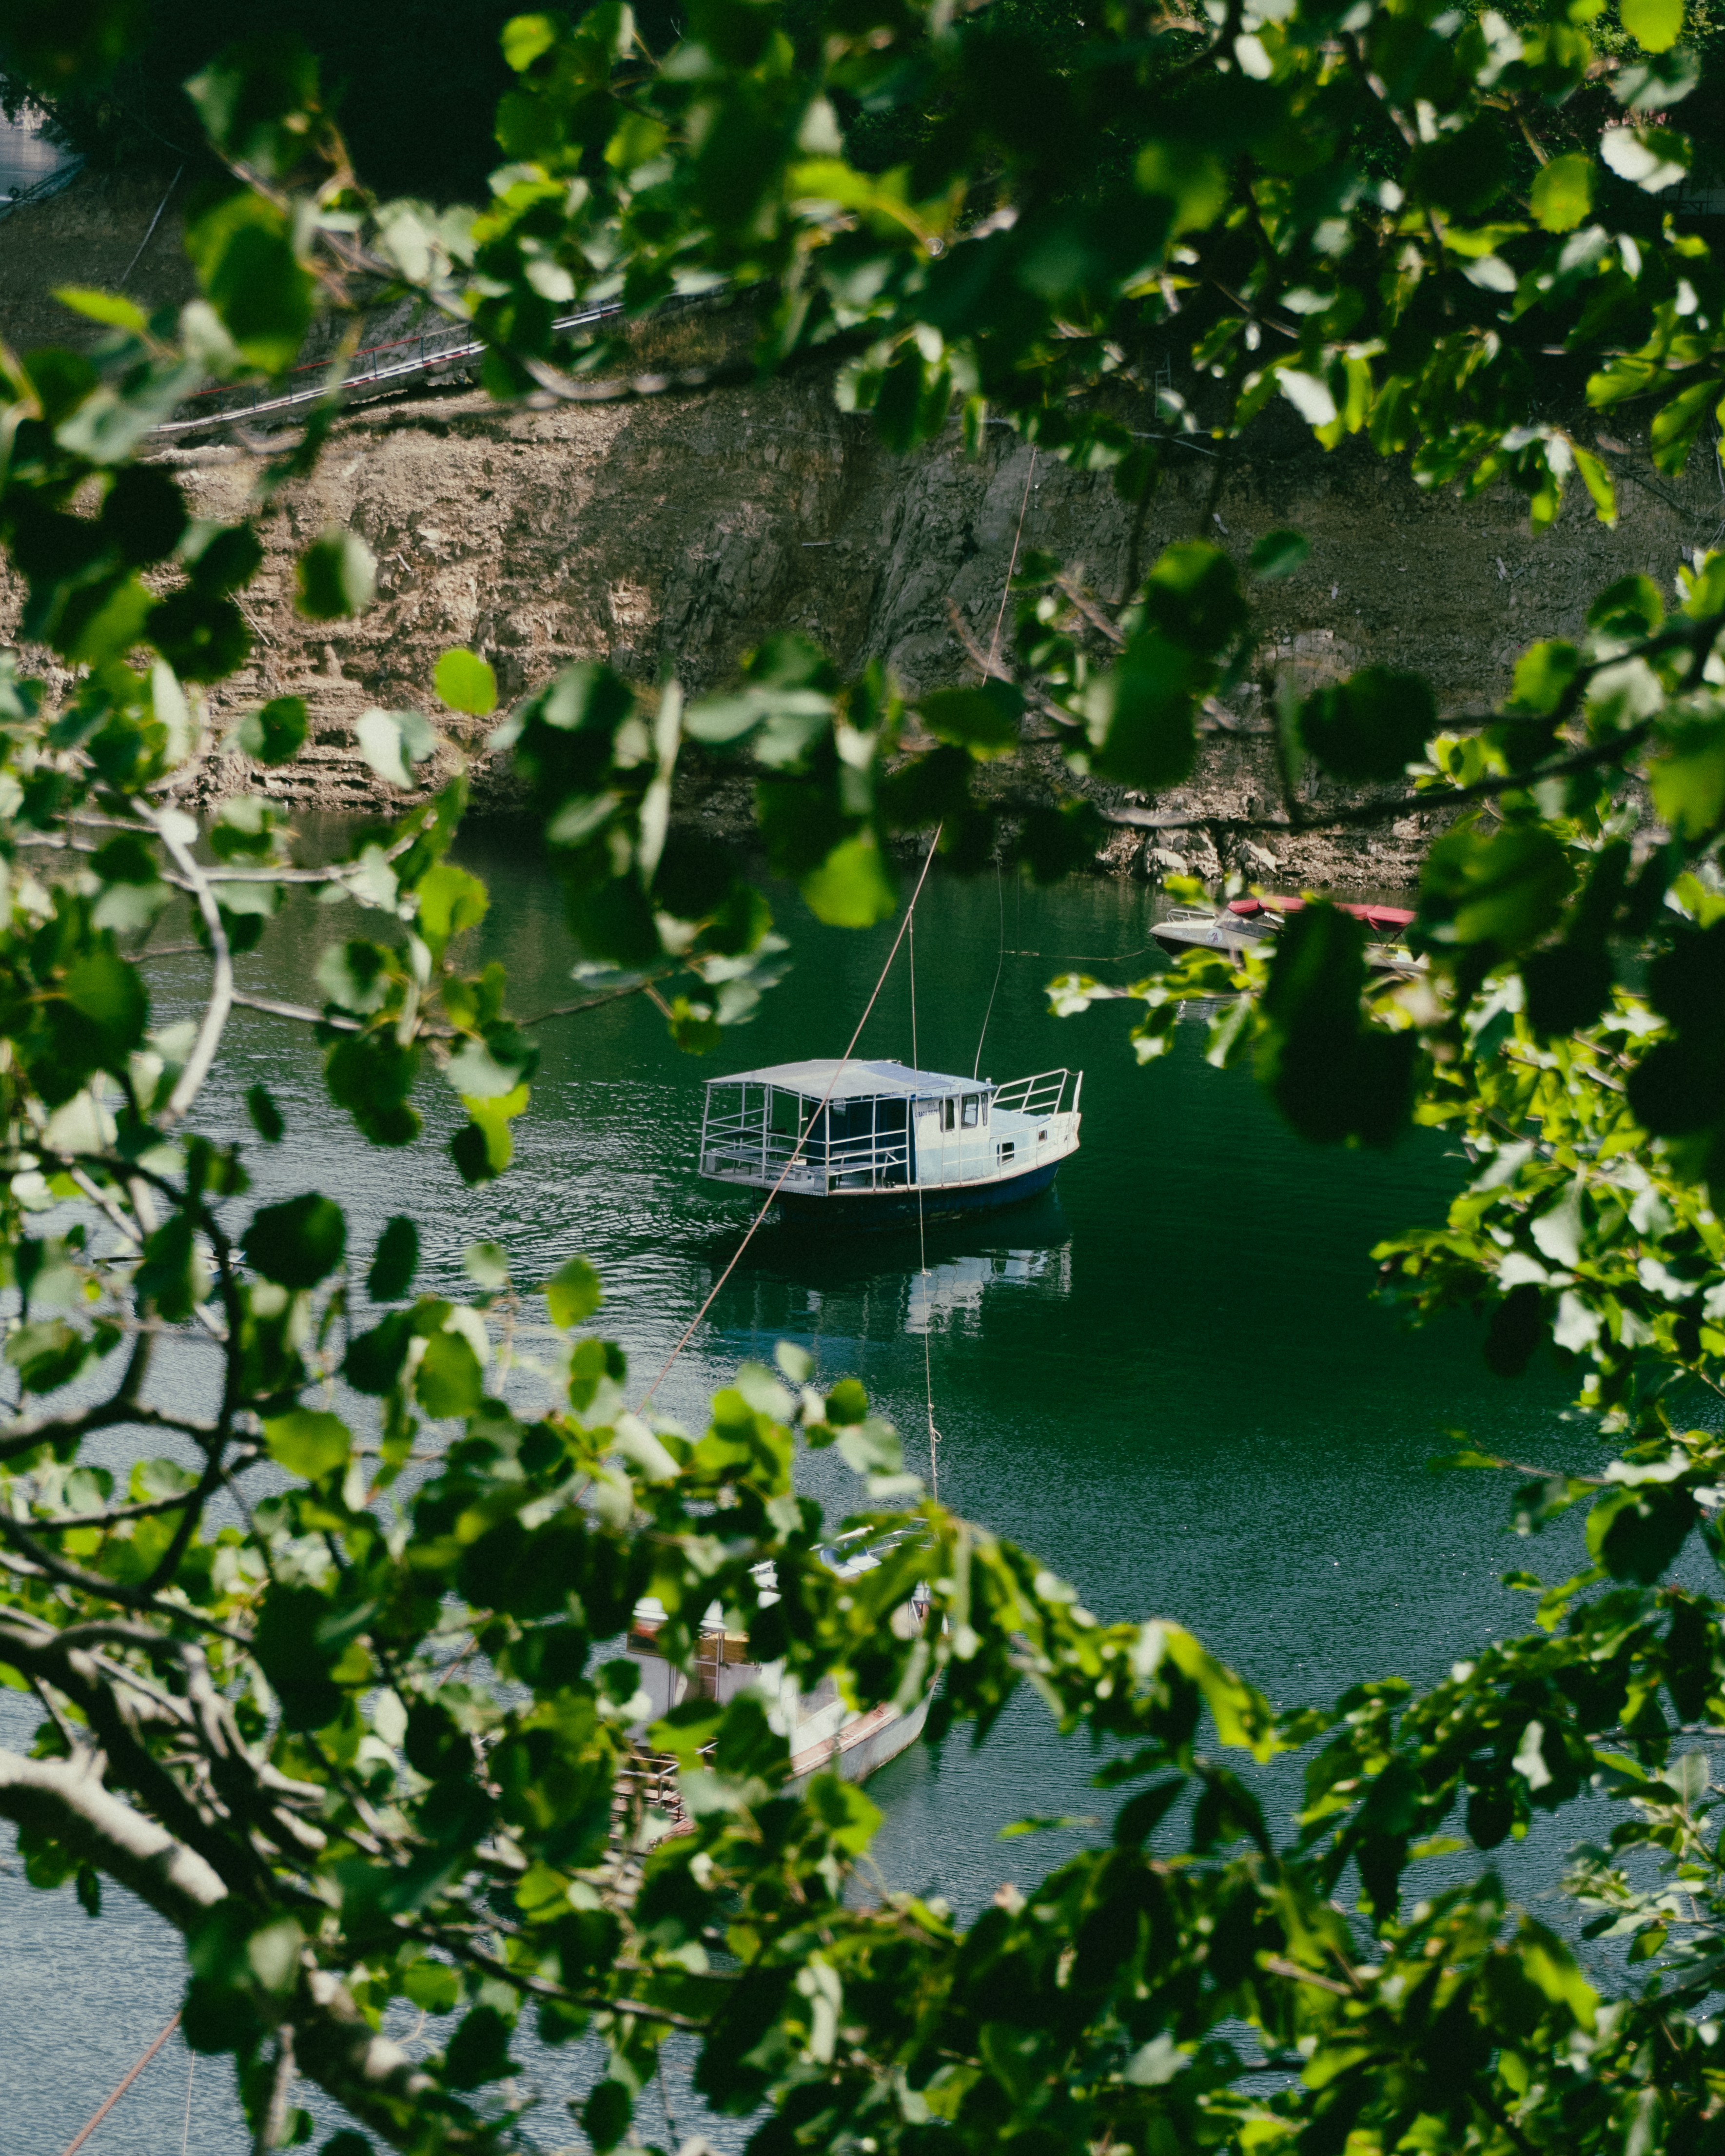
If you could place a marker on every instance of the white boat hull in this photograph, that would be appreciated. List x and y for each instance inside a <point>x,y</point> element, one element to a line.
<point>865,1743</point>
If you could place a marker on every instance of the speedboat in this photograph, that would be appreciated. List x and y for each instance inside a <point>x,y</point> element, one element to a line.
<point>1249,924</point>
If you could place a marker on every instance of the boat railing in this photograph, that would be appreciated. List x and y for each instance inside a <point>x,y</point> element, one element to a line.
<point>733,1148</point>
<point>1042,1095</point>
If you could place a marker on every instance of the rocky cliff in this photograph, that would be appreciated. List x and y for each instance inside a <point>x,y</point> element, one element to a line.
<point>673,531</point>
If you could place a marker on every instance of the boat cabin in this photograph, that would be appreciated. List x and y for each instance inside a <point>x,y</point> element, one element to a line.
<point>881,1133</point>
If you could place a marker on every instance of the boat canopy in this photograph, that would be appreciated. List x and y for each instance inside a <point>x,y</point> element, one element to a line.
<point>855,1080</point>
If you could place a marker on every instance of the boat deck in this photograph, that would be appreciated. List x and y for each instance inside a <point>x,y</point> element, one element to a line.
<point>819,1130</point>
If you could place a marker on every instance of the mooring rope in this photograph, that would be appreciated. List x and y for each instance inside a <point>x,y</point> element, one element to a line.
<point>79,2139</point>
<point>796,1153</point>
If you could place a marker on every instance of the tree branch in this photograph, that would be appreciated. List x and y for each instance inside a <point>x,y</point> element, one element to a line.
<point>221,997</point>
<point>336,2048</point>
<point>65,1799</point>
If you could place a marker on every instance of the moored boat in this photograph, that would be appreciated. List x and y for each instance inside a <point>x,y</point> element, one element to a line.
<point>1247,924</point>
<point>825,1735</point>
<point>879,1145</point>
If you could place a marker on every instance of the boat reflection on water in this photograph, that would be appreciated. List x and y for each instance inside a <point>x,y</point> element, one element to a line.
<point>835,1295</point>
<point>948,1297</point>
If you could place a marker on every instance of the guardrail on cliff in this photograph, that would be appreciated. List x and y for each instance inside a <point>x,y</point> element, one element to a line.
<point>434,349</point>
<point>39,190</point>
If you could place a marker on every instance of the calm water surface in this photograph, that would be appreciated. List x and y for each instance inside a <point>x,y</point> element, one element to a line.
<point>1166,1379</point>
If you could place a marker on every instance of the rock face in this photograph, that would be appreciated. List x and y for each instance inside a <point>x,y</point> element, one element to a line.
<point>672,532</point>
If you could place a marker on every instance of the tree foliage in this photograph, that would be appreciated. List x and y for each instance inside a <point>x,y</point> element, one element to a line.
<point>333,1682</point>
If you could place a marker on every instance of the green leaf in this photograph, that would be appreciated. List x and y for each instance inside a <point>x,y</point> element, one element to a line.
<point>1652,158</point>
<point>450,902</point>
<point>1679,420</point>
<point>1567,986</point>
<point>1688,778</point>
<point>355,975</point>
<point>144,513</point>
<point>1142,714</point>
<point>1462,170</point>
<point>527,37</point>
<point>392,742</point>
<point>431,1985</point>
<point>985,721</point>
<point>499,1064</point>
<point>297,1243</point>
<point>265,1116</point>
<point>202,635</point>
<point>1279,554</point>
<point>243,251</point>
<point>273,734</point>
<point>374,1359</point>
<point>307,1443</point>
<point>796,1363</point>
<point>847,1402</point>
<point>112,308</point>
<point>448,1381</point>
<point>1549,1964</point>
<point>1192,595</point>
<point>112,996</point>
<point>1543,676</point>
<point>1655,25</point>
<point>606,2114</point>
<point>484,1147</point>
<point>1507,889</point>
<point>395,1261</point>
<point>48,1353</point>
<point>1309,394</point>
<point>479,2048</point>
<point>1631,608</point>
<point>1189,176</point>
<point>337,576</point>
<point>258,98</point>
<point>1563,191</point>
<point>372,1075</point>
<point>573,1293</point>
<point>1371,726</point>
<point>1332,1075</point>
<point>466,683</point>
<point>853,887</point>
<point>486,1264</point>
<point>1596,479</point>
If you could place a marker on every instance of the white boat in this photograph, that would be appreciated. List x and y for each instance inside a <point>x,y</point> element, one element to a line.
<point>879,1145</point>
<point>825,1736</point>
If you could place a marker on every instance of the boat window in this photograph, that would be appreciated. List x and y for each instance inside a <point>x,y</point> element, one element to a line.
<point>949,1113</point>
<point>973,1104</point>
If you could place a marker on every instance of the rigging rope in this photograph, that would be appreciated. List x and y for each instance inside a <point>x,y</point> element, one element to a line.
<point>934,1435</point>
<point>1000,961</point>
<point>1011,567</point>
<point>796,1153</point>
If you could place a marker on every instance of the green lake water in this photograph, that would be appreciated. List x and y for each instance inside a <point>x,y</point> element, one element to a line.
<point>1167,1378</point>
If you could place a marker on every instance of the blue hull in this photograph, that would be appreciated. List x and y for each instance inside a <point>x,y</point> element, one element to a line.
<point>896,1208</point>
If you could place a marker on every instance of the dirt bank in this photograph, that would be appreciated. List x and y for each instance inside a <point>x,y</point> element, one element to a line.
<point>675,531</point>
